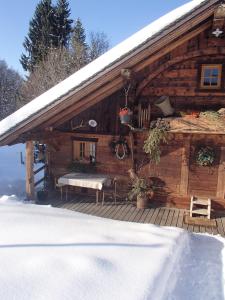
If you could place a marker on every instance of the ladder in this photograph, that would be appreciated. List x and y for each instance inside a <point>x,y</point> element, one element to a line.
<point>200,206</point>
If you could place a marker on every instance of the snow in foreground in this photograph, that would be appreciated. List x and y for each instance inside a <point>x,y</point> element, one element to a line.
<point>12,171</point>
<point>49,253</point>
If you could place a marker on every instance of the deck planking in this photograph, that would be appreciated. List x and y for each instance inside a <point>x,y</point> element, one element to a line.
<point>127,211</point>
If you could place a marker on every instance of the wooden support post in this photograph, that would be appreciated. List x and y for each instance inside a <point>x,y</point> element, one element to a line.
<point>221,176</point>
<point>30,170</point>
<point>185,168</point>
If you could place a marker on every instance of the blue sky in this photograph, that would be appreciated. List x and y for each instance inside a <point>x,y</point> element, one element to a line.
<point>118,19</point>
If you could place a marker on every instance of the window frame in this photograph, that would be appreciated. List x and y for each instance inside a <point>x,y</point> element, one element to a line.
<point>211,66</point>
<point>83,146</point>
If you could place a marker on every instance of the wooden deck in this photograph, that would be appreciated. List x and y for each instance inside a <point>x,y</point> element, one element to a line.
<point>126,211</point>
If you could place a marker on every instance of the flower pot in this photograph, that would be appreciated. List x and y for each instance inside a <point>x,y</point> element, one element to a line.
<point>125,115</point>
<point>125,119</point>
<point>142,201</point>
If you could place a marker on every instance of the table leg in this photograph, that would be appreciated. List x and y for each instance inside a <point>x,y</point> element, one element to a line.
<point>66,192</point>
<point>103,197</point>
<point>97,194</point>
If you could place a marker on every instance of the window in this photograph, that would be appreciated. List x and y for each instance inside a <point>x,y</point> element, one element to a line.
<point>84,151</point>
<point>211,76</point>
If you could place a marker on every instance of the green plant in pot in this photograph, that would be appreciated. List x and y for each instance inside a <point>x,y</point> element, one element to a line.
<point>141,191</point>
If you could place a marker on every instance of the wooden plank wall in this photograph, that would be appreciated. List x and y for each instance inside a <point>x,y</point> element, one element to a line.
<point>168,172</point>
<point>181,81</point>
<point>177,175</point>
<point>105,113</point>
<point>61,158</point>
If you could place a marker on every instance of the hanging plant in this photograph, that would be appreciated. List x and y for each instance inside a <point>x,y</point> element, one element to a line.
<point>157,135</point>
<point>125,115</point>
<point>205,156</point>
<point>120,148</point>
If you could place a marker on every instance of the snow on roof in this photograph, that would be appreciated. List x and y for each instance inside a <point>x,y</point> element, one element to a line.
<point>95,67</point>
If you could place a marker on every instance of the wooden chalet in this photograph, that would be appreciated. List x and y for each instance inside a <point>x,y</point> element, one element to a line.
<point>180,56</point>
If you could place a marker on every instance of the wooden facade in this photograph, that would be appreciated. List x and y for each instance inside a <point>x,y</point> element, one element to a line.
<point>171,66</point>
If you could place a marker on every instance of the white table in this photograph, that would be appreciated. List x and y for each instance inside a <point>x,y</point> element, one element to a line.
<point>91,181</point>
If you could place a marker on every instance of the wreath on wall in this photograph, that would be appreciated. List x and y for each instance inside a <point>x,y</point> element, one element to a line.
<point>120,148</point>
<point>205,156</point>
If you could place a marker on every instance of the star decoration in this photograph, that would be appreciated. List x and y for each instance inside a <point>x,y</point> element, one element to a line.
<point>217,32</point>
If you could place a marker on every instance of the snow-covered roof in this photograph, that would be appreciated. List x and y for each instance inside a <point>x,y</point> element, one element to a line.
<point>76,80</point>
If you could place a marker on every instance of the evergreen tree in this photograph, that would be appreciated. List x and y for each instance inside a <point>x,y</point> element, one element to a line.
<point>63,22</point>
<point>78,46</point>
<point>41,36</point>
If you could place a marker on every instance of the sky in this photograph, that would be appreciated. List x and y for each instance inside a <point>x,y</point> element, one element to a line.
<point>119,19</point>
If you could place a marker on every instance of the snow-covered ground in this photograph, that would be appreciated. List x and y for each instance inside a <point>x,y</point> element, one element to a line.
<point>49,253</point>
<point>12,171</point>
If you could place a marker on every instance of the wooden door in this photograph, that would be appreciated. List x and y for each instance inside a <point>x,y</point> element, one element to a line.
<point>168,171</point>
<point>221,175</point>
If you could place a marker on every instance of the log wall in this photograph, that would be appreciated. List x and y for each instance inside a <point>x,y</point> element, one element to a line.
<point>178,75</point>
<point>177,176</point>
<point>107,162</point>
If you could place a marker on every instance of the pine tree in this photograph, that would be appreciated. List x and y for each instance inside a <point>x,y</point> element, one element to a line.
<point>63,22</point>
<point>78,46</point>
<point>41,36</point>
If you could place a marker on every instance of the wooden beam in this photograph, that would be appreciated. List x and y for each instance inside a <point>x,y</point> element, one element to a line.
<point>221,176</point>
<point>185,168</point>
<point>171,46</point>
<point>30,170</point>
<point>84,104</point>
